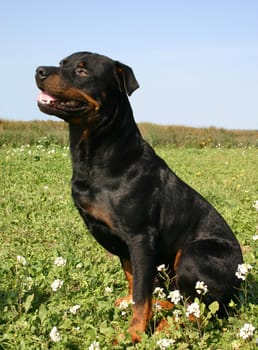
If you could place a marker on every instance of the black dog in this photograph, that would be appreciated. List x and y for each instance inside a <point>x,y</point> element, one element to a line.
<point>132,203</point>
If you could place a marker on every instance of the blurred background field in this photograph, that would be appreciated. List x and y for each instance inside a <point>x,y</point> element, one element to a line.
<point>17,133</point>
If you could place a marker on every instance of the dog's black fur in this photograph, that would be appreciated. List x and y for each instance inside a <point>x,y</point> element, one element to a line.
<point>132,203</point>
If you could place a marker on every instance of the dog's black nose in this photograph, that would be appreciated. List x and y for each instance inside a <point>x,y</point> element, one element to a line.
<point>41,73</point>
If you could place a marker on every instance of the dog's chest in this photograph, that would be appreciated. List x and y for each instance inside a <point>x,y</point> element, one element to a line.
<point>92,205</point>
<point>98,212</point>
<point>101,223</point>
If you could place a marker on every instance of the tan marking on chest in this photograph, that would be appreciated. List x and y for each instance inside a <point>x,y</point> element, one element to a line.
<point>100,213</point>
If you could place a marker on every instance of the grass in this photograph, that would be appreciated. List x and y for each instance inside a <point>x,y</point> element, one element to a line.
<point>39,222</point>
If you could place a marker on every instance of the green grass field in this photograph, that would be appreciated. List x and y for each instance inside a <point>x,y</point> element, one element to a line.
<point>39,223</point>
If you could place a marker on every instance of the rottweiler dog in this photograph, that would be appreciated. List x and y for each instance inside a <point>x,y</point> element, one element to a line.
<point>131,202</point>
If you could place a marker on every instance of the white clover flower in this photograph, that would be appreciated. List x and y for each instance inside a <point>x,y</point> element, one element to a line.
<point>201,287</point>
<point>157,306</point>
<point>247,331</point>
<point>193,309</point>
<point>165,343</point>
<point>175,296</point>
<point>123,305</point>
<point>159,292</point>
<point>57,284</point>
<point>55,335</point>
<point>21,260</point>
<point>108,290</point>
<point>94,345</point>
<point>161,268</point>
<point>60,261</point>
<point>177,314</point>
<point>255,205</point>
<point>28,283</point>
<point>242,271</point>
<point>255,237</point>
<point>73,309</point>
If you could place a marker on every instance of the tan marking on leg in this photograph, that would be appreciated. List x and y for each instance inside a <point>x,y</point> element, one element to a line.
<point>177,258</point>
<point>127,267</point>
<point>162,326</point>
<point>141,317</point>
<point>163,304</point>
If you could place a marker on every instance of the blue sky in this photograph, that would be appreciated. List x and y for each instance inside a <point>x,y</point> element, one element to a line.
<point>196,60</point>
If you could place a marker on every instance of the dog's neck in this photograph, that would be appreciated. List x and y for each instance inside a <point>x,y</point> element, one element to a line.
<point>108,141</point>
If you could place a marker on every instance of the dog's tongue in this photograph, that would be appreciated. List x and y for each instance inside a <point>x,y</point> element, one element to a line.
<point>44,97</point>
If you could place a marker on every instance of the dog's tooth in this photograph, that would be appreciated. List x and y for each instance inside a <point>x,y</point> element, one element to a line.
<point>71,103</point>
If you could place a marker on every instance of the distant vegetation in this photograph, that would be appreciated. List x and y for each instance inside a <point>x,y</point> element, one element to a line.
<point>17,133</point>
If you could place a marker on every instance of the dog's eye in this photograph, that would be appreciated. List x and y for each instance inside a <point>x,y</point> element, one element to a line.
<point>62,63</point>
<point>82,72</point>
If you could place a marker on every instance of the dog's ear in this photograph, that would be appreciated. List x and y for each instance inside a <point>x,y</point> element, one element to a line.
<point>126,78</point>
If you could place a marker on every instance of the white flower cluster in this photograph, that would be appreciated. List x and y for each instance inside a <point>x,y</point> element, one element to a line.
<point>55,335</point>
<point>193,310</point>
<point>242,271</point>
<point>123,305</point>
<point>247,331</point>
<point>159,292</point>
<point>201,287</point>
<point>57,284</point>
<point>165,343</point>
<point>255,205</point>
<point>27,283</point>
<point>60,261</point>
<point>73,310</point>
<point>36,152</point>
<point>177,315</point>
<point>21,260</point>
<point>161,268</point>
<point>94,345</point>
<point>175,296</point>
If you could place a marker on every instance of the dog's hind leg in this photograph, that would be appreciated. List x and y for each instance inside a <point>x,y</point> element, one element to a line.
<point>214,262</point>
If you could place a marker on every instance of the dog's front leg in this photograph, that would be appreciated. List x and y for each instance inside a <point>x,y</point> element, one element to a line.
<point>143,267</point>
<point>127,267</point>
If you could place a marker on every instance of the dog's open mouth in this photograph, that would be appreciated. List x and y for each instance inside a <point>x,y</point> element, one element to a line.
<point>49,102</point>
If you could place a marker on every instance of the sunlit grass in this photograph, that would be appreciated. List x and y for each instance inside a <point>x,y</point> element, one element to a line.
<point>40,224</point>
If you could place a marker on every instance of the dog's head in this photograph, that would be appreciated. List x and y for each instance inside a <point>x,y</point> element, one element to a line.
<point>84,83</point>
